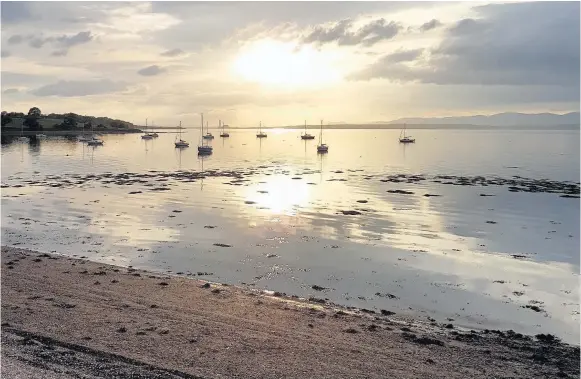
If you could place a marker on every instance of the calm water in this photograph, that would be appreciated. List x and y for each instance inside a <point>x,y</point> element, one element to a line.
<point>437,255</point>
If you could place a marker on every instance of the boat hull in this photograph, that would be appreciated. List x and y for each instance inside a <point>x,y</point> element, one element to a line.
<point>307,136</point>
<point>322,149</point>
<point>205,150</point>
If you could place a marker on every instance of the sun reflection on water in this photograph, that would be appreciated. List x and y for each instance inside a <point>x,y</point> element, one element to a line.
<point>279,195</point>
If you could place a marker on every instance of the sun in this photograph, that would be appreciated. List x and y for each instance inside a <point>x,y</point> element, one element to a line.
<point>285,64</point>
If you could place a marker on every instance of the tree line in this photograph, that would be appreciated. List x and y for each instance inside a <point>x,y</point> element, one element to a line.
<point>32,119</point>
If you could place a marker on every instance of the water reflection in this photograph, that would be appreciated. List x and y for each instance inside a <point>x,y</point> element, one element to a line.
<point>436,253</point>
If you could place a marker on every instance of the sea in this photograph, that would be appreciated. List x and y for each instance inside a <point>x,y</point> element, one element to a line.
<point>475,227</point>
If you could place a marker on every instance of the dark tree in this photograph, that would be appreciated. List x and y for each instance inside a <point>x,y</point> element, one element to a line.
<point>6,119</point>
<point>70,122</point>
<point>34,112</point>
<point>31,120</point>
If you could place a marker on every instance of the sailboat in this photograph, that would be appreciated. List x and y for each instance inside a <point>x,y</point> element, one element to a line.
<point>405,139</point>
<point>146,135</point>
<point>82,137</point>
<point>204,149</point>
<point>224,132</point>
<point>22,138</point>
<point>94,141</point>
<point>260,133</point>
<point>154,134</point>
<point>307,135</point>
<point>322,147</point>
<point>208,135</point>
<point>181,143</point>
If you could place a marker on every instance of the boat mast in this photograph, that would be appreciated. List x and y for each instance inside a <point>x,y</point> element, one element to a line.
<point>202,130</point>
<point>305,127</point>
<point>321,134</point>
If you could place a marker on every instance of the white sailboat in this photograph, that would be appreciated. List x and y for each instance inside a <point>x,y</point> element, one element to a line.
<point>94,141</point>
<point>204,149</point>
<point>307,135</point>
<point>181,143</point>
<point>208,135</point>
<point>154,134</point>
<point>322,147</point>
<point>82,137</point>
<point>405,139</point>
<point>146,135</point>
<point>260,133</point>
<point>22,138</point>
<point>224,132</point>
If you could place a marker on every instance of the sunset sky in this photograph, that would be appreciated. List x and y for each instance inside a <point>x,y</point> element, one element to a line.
<point>282,63</point>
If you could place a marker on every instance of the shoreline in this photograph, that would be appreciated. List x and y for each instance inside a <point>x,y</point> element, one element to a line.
<point>16,133</point>
<point>208,330</point>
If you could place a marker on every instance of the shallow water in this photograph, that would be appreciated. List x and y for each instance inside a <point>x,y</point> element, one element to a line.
<point>449,256</point>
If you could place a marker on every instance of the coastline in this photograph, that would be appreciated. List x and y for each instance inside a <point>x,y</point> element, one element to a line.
<point>191,328</point>
<point>47,132</point>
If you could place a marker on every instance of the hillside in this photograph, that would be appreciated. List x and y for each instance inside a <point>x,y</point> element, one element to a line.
<point>500,119</point>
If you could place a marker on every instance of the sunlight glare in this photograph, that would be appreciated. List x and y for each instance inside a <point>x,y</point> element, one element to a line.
<point>284,64</point>
<point>282,195</point>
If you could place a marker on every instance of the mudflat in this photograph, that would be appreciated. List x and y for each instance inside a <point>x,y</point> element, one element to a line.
<point>67,317</point>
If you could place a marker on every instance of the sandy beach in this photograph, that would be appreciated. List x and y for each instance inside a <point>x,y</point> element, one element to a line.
<point>67,317</point>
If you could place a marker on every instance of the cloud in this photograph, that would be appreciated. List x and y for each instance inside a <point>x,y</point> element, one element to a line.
<point>367,35</point>
<point>15,39</point>
<point>75,88</point>
<point>38,42</point>
<point>432,24</point>
<point>402,56</point>
<point>492,50</point>
<point>59,53</point>
<point>73,40</point>
<point>151,71</point>
<point>172,53</point>
<point>64,41</point>
<point>10,90</point>
<point>13,12</point>
<point>5,54</point>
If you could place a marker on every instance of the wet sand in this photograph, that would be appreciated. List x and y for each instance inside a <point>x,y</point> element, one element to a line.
<point>76,317</point>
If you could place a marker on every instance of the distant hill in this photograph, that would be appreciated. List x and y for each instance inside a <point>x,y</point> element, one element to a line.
<point>500,119</point>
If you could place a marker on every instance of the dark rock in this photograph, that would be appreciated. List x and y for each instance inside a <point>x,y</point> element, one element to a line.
<point>205,285</point>
<point>449,326</point>
<point>318,288</point>
<point>533,307</point>
<point>222,245</point>
<point>401,192</point>
<point>216,290</point>
<point>122,330</point>
<point>387,313</point>
<point>163,284</point>
<point>351,330</point>
<point>352,213</point>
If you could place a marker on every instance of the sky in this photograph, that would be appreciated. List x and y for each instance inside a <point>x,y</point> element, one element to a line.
<point>282,63</point>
